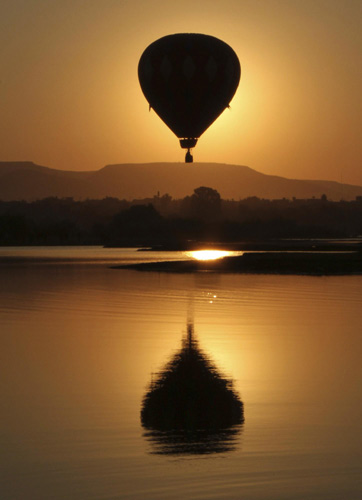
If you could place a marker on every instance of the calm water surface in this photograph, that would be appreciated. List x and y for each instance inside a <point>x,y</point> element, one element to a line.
<point>81,344</point>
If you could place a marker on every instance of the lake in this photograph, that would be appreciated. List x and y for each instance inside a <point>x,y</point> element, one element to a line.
<point>82,344</point>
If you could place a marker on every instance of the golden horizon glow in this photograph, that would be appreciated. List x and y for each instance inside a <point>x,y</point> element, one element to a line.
<point>71,99</point>
<point>209,254</point>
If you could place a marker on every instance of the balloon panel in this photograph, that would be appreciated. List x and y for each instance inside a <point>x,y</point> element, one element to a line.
<point>189,79</point>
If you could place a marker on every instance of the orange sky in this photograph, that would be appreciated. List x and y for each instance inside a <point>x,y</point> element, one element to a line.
<point>70,98</point>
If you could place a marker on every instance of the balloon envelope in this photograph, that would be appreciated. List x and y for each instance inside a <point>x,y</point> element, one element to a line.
<point>189,79</point>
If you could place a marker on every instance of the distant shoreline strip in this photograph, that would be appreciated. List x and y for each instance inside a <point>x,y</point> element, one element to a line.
<point>317,264</point>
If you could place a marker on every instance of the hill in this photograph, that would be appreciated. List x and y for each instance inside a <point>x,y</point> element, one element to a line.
<point>28,181</point>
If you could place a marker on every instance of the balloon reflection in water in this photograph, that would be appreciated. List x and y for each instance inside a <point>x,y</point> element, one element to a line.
<point>191,408</point>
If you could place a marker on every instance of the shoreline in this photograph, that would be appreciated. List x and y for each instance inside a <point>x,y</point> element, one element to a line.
<point>284,262</point>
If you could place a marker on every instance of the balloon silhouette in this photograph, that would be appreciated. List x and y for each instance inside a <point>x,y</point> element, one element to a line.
<point>189,79</point>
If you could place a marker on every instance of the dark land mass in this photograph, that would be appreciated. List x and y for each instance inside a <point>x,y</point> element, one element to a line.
<point>166,223</point>
<point>28,181</point>
<point>312,229</point>
<point>302,263</point>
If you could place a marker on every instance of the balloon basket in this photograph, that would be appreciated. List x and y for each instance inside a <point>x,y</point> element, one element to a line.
<point>188,157</point>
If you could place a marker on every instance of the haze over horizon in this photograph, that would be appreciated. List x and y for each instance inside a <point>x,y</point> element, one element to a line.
<point>129,181</point>
<point>71,100</point>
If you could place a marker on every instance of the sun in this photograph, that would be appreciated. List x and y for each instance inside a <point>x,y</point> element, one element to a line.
<point>208,254</point>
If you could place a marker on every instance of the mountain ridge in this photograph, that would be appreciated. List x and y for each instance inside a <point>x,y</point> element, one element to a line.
<point>28,181</point>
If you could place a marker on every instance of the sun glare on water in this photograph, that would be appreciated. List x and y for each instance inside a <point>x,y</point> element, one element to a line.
<point>208,254</point>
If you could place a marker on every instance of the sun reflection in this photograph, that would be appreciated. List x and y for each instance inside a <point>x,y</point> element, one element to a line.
<point>209,254</point>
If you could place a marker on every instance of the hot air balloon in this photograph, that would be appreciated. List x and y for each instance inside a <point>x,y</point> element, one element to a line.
<point>189,79</point>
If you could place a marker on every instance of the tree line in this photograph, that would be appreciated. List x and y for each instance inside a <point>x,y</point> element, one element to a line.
<point>162,220</point>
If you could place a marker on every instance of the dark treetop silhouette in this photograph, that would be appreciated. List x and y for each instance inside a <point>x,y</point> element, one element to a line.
<point>190,408</point>
<point>189,79</point>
